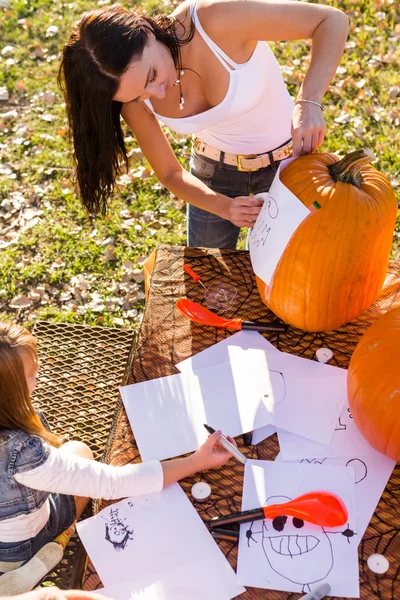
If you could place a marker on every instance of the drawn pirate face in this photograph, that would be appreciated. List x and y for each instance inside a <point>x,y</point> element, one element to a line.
<point>290,552</point>
<point>117,532</point>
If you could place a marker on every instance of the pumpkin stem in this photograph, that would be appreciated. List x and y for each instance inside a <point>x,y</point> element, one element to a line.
<point>348,168</point>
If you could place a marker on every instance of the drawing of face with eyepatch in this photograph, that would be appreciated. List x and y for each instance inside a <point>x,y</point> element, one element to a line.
<point>289,552</point>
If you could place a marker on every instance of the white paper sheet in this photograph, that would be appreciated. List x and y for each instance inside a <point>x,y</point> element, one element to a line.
<point>347,441</point>
<point>305,396</point>
<point>262,433</point>
<point>290,555</point>
<point>143,540</point>
<point>372,472</point>
<point>256,388</point>
<point>219,353</point>
<point>279,218</point>
<point>169,587</point>
<point>167,414</point>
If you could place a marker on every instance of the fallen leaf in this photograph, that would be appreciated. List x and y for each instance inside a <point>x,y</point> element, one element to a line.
<point>20,301</point>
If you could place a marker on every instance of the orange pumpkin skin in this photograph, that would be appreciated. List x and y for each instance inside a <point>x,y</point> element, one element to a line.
<point>373,384</point>
<point>336,261</point>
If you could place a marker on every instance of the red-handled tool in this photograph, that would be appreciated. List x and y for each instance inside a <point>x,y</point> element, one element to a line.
<point>321,508</point>
<point>193,275</point>
<point>198,313</point>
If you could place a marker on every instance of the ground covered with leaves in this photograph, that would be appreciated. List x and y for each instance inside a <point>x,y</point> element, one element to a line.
<point>57,263</point>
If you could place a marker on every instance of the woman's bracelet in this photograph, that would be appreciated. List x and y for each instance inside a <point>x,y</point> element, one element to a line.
<point>311,102</point>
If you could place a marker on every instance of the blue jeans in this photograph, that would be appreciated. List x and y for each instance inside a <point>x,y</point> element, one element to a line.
<point>62,515</point>
<point>207,230</point>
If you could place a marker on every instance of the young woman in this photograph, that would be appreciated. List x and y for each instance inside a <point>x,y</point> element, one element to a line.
<point>204,70</point>
<point>44,486</point>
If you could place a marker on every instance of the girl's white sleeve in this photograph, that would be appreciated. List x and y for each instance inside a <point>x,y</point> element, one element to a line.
<point>68,473</point>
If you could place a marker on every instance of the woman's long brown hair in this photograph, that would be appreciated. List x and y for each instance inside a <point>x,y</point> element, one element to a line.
<point>16,410</point>
<point>102,45</point>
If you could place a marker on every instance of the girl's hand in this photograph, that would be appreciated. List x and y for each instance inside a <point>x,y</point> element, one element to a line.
<point>243,211</point>
<point>211,454</point>
<point>308,128</point>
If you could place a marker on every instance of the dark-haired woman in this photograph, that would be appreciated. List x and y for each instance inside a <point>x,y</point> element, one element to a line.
<point>205,70</point>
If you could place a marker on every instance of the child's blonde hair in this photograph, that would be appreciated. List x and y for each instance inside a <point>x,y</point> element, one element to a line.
<point>16,410</point>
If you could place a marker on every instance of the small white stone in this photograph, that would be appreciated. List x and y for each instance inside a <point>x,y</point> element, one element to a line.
<point>6,205</point>
<point>8,116</point>
<point>378,563</point>
<point>51,31</point>
<point>201,491</point>
<point>4,95</point>
<point>7,51</point>
<point>324,355</point>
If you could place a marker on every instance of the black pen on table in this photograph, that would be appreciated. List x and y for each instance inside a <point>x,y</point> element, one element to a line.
<point>229,535</point>
<point>228,446</point>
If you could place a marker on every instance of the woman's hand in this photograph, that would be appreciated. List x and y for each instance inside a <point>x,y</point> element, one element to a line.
<point>243,211</point>
<point>211,454</point>
<point>308,128</point>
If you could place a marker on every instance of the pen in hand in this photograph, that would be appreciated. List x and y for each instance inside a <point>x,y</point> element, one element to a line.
<point>226,444</point>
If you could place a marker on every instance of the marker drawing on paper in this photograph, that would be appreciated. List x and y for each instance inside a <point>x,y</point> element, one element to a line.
<point>289,553</point>
<point>262,228</point>
<point>278,384</point>
<point>343,426</point>
<point>117,532</point>
<point>371,474</point>
<point>148,542</point>
<point>359,466</point>
<point>279,217</point>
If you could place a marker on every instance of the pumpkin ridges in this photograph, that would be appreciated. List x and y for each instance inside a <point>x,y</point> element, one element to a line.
<point>374,384</point>
<point>355,301</point>
<point>325,217</point>
<point>342,252</point>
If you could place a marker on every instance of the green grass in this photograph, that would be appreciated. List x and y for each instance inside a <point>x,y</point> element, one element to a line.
<point>73,268</point>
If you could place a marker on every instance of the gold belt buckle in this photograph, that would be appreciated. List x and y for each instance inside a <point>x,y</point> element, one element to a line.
<point>289,149</point>
<point>196,144</point>
<point>239,162</point>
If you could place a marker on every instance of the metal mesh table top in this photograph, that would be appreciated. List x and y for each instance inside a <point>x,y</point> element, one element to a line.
<point>167,337</point>
<point>81,369</point>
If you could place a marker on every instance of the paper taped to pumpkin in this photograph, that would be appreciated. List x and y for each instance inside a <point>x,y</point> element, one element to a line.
<point>335,262</point>
<point>373,384</point>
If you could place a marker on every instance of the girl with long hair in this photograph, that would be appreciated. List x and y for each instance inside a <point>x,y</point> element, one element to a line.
<point>44,485</point>
<point>205,70</point>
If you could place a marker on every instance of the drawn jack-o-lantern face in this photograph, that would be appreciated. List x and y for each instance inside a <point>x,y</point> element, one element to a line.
<point>290,552</point>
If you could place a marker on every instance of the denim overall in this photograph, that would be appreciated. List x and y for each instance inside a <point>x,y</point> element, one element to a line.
<point>19,452</point>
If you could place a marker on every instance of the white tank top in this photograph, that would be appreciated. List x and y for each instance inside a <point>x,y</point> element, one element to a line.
<point>254,117</point>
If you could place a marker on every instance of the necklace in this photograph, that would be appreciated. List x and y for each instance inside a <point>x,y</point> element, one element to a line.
<point>178,82</point>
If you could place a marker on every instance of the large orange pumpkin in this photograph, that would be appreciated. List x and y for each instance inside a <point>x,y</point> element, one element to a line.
<point>335,263</point>
<point>373,384</point>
